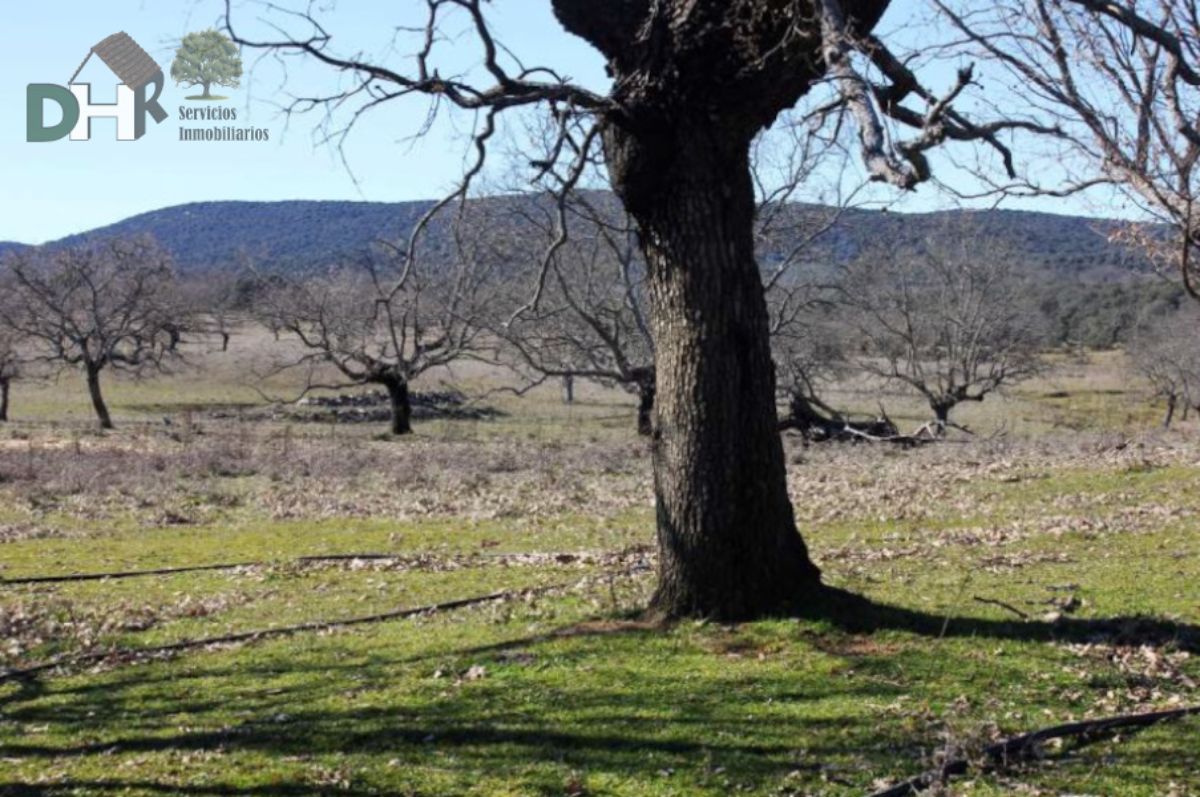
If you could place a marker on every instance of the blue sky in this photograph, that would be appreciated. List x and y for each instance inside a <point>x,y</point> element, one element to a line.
<point>54,189</point>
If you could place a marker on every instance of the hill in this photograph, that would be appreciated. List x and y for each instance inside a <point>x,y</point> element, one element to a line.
<point>1055,246</point>
<point>309,234</point>
<point>287,235</point>
<point>1091,291</point>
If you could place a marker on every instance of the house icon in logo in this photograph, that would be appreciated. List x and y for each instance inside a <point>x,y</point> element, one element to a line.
<point>139,75</point>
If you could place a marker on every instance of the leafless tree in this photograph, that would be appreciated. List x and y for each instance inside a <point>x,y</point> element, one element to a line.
<point>1119,85</point>
<point>1165,352</point>
<point>810,342</point>
<point>951,322</point>
<point>374,328</point>
<point>10,356</point>
<point>808,337</point>
<point>211,303</point>
<point>10,366</point>
<point>592,319</point>
<point>694,82</point>
<point>95,307</point>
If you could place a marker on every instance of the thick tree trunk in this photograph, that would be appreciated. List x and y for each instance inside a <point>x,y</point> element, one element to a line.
<point>568,389</point>
<point>942,413</point>
<point>4,385</point>
<point>728,545</point>
<point>1172,402</point>
<point>401,407</point>
<point>224,341</point>
<point>93,383</point>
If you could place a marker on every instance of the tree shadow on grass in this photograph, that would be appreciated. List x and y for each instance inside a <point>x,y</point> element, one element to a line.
<point>506,729</point>
<point>136,786</point>
<point>679,718</point>
<point>858,614</point>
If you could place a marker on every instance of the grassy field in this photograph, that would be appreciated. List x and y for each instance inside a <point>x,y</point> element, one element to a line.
<point>1012,582</point>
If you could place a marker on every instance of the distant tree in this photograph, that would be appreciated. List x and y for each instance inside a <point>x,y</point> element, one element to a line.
<point>805,190</point>
<point>213,304</point>
<point>207,58</point>
<point>94,307</point>
<point>10,362</point>
<point>10,367</point>
<point>951,321</point>
<point>1165,352</point>
<point>810,347</point>
<point>1101,315</point>
<point>591,319</point>
<point>373,326</point>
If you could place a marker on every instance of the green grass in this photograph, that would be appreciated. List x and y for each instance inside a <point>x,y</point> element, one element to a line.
<point>569,693</point>
<point>575,697</point>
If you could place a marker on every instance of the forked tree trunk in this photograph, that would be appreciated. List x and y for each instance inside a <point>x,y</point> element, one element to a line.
<point>93,383</point>
<point>401,406</point>
<point>1172,402</point>
<point>4,385</point>
<point>728,544</point>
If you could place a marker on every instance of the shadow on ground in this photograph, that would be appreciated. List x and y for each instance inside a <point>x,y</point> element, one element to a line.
<point>697,709</point>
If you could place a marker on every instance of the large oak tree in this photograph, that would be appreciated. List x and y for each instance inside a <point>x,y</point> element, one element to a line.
<point>694,82</point>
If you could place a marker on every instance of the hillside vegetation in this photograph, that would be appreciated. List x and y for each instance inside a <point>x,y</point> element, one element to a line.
<point>1091,291</point>
<point>308,234</point>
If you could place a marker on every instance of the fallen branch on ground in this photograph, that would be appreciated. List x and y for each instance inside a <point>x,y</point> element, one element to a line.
<point>563,557</point>
<point>124,574</point>
<point>1002,605</point>
<point>26,673</point>
<point>1025,746</point>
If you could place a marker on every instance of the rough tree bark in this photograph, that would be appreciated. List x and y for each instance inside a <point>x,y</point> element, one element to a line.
<point>727,537</point>
<point>401,406</point>
<point>695,83</point>
<point>93,384</point>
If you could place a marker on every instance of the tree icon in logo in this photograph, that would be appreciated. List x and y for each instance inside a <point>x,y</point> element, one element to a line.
<point>207,58</point>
